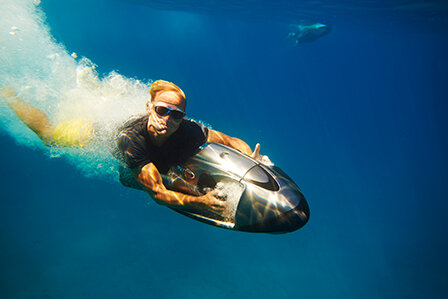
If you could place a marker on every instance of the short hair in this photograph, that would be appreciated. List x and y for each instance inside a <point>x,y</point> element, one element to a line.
<point>162,85</point>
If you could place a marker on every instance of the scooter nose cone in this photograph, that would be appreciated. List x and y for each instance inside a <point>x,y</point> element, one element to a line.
<point>293,219</point>
<point>285,222</point>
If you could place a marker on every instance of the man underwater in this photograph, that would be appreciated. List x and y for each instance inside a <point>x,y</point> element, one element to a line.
<point>147,145</point>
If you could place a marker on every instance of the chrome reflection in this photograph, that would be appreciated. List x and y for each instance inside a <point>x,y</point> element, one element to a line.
<point>259,198</point>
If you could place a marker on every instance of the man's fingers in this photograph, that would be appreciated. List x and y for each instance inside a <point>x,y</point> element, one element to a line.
<point>217,207</point>
<point>256,151</point>
<point>214,203</point>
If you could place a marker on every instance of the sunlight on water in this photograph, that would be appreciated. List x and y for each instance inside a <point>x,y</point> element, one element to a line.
<point>63,86</point>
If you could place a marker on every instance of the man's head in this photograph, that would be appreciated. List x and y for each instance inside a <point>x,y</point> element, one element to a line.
<point>166,109</point>
<point>161,86</point>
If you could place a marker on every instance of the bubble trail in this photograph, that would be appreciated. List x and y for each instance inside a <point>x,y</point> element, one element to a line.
<point>46,76</point>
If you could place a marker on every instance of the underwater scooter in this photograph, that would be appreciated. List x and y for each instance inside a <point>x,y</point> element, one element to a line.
<point>258,198</point>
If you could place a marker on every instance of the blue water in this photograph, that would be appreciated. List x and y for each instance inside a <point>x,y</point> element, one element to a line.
<point>356,118</point>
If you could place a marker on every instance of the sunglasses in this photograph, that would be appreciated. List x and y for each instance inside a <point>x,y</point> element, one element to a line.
<point>175,113</point>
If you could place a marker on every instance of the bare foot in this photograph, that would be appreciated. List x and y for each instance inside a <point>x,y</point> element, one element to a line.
<point>8,94</point>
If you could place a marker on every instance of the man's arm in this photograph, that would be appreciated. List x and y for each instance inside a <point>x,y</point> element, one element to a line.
<point>150,177</point>
<point>238,144</point>
<point>132,147</point>
<point>233,142</point>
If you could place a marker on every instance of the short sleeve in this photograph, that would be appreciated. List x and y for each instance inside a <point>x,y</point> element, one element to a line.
<point>133,149</point>
<point>198,132</point>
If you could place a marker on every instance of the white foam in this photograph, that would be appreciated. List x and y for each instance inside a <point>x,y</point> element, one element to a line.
<point>231,192</point>
<point>62,86</point>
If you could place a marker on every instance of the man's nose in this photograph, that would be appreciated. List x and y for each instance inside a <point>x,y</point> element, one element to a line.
<point>165,118</point>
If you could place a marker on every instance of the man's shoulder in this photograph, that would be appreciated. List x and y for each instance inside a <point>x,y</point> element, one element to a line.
<point>193,127</point>
<point>132,143</point>
<point>135,124</point>
<point>133,131</point>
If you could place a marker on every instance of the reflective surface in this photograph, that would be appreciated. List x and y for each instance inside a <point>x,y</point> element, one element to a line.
<point>258,198</point>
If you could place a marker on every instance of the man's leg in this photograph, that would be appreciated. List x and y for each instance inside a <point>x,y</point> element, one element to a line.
<point>32,117</point>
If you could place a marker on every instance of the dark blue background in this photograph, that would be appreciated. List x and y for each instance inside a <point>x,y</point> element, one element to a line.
<point>357,118</point>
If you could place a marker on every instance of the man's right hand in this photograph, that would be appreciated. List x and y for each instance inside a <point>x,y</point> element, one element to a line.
<point>210,202</point>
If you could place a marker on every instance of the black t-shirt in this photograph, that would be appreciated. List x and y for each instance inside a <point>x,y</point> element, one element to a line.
<point>137,149</point>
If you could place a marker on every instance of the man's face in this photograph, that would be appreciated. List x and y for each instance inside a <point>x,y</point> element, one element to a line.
<point>164,125</point>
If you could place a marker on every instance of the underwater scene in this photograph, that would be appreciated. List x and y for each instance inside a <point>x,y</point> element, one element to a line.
<point>347,98</point>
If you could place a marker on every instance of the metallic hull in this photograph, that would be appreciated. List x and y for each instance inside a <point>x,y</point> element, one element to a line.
<point>258,198</point>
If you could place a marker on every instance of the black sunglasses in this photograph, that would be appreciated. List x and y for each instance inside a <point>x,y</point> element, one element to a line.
<point>175,113</point>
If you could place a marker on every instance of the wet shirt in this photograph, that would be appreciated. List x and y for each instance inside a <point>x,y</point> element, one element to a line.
<point>136,148</point>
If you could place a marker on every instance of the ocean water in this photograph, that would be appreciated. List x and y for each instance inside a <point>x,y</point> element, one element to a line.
<point>357,118</point>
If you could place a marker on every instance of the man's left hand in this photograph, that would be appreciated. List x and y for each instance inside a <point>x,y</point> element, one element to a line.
<point>261,158</point>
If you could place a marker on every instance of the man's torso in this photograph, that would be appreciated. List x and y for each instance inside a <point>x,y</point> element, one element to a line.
<point>137,149</point>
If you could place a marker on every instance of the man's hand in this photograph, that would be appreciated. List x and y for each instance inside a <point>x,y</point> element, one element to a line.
<point>261,158</point>
<point>210,202</point>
